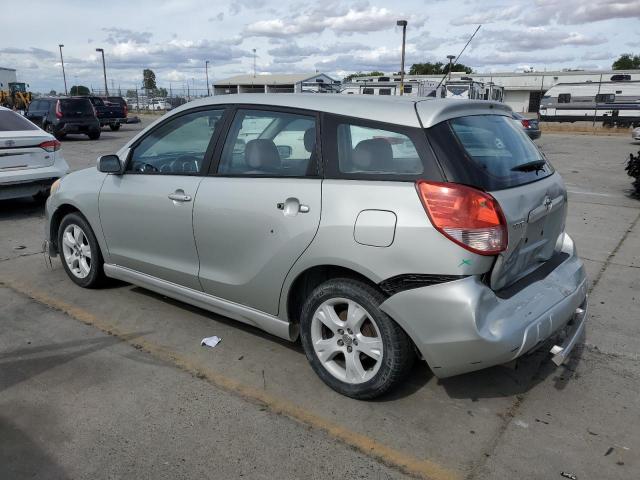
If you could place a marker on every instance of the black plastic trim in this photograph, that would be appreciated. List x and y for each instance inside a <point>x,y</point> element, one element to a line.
<point>409,281</point>
<point>539,274</point>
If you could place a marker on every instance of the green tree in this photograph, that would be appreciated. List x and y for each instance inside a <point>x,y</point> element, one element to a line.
<point>149,79</point>
<point>160,92</point>
<point>627,61</point>
<point>79,90</point>
<point>53,93</point>
<point>437,68</point>
<point>350,77</point>
<point>131,93</point>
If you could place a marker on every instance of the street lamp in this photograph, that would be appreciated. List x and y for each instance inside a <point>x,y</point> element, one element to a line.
<point>104,71</point>
<point>64,77</point>
<point>206,71</point>
<point>403,24</point>
<point>450,57</point>
<point>254,63</point>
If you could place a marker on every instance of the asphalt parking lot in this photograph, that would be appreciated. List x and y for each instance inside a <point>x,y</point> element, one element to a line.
<point>113,383</point>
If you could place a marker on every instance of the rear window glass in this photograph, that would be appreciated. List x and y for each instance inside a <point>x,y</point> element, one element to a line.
<point>370,150</point>
<point>491,152</point>
<point>12,122</point>
<point>79,105</point>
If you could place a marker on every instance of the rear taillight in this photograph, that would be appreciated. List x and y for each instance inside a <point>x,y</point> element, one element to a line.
<point>525,123</point>
<point>50,145</point>
<point>471,218</point>
<point>58,110</point>
<point>126,110</point>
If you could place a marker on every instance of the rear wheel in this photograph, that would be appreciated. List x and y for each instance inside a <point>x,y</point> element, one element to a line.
<point>353,346</point>
<point>94,134</point>
<point>114,127</point>
<point>79,251</point>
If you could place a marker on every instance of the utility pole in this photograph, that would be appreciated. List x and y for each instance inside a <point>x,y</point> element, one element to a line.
<point>64,77</point>
<point>254,63</point>
<point>403,24</point>
<point>206,71</point>
<point>104,72</point>
<point>450,57</point>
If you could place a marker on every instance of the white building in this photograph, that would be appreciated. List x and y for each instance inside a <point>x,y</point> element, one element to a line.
<point>285,83</point>
<point>522,91</point>
<point>7,75</point>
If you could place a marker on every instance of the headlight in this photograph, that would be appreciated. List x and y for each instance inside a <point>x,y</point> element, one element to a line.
<point>54,186</point>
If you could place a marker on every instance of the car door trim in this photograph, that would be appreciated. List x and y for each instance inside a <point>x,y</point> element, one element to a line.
<point>248,315</point>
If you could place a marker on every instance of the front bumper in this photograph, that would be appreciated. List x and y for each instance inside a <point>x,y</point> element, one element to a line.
<point>462,326</point>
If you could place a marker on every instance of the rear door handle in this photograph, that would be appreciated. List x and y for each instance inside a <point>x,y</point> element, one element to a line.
<point>179,196</point>
<point>292,206</point>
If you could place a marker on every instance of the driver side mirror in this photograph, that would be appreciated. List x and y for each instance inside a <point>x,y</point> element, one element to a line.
<point>109,164</point>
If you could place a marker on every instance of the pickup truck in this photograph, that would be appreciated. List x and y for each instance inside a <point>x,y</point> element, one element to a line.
<point>109,113</point>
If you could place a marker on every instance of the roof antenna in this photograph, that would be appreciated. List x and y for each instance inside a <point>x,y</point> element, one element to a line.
<point>459,55</point>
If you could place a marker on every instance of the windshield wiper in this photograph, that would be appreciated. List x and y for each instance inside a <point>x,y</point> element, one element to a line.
<point>530,166</point>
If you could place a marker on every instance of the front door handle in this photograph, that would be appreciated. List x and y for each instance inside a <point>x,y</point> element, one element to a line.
<point>179,196</point>
<point>292,206</point>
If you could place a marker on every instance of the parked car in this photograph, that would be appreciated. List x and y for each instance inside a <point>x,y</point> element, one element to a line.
<point>123,104</point>
<point>530,125</point>
<point>109,113</point>
<point>30,158</point>
<point>373,229</point>
<point>159,104</point>
<point>635,134</point>
<point>62,116</point>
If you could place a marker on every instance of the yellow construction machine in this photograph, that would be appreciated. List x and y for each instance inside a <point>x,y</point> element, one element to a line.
<point>16,97</point>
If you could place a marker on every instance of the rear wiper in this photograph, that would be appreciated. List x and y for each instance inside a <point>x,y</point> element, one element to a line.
<point>530,166</point>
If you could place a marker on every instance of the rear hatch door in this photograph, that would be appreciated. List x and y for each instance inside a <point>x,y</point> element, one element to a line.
<point>76,109</point>
<point>492,152</point>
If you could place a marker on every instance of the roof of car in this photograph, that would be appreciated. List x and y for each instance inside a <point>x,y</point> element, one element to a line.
<point>391,109</point>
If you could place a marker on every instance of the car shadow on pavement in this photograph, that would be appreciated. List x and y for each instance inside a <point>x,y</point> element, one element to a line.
<point>514,379</point>
<point>22,457</point>
<point>19,365</point>
<point>21,208</point>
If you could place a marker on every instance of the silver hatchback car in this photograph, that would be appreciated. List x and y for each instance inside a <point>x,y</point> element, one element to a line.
<point>376,230</point>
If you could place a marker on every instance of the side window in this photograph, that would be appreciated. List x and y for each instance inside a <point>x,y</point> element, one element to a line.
<point>605,98</point>
<point>33,106</point>
<point>367,91</point>
<point>364,150</point>
<point>177,147</point>
<point>384,91</point>
<point>96,101</point>
<point>273,144</point>
<point>564,98</point>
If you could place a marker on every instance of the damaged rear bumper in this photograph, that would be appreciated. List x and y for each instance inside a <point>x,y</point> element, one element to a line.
<point>462,326</point>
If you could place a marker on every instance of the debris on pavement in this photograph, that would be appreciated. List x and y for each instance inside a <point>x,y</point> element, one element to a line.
<point>210,341</point>
<point>571,476</point>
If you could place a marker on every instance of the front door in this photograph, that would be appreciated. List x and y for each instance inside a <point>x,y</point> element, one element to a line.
<point>261,210</point>
<point>146,213</point>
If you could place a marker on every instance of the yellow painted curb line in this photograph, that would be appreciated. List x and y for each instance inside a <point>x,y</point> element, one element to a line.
<point>421,468</point>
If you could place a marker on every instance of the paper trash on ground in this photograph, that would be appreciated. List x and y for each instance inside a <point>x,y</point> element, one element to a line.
<point>211,341</point>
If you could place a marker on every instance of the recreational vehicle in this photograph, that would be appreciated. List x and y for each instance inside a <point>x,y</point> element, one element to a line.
<point>391,86</point>
<point>614,103</point>
<point>465,88</point>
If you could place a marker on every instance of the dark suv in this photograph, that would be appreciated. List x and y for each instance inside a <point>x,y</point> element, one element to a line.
<point>60,116</point>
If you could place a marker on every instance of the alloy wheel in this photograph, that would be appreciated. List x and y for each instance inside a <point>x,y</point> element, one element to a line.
<point>346,340</point>
<point>76,251</point>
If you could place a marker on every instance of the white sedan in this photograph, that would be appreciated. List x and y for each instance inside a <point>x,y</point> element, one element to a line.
<point>30,158</point>
<point>635,134</point>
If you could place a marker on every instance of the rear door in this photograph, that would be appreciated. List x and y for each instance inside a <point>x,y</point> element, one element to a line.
<point>255,216</point>
<point>76,109</point>
<point>494,154</point>
<point>146,213</point>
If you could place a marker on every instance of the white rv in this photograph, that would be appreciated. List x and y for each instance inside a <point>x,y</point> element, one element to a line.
<point>614,103</point>
<point>390,86</point>
<point>464,88</point>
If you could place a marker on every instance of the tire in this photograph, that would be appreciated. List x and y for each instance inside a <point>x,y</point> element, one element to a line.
<point>114,127</point>
<point>84,265</point>
<point>42,195</point>
<point>49,128</point>
<point>94,135</point>
<point>372,331</point>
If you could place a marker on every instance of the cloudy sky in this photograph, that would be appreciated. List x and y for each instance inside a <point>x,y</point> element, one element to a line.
<point>175,37</point>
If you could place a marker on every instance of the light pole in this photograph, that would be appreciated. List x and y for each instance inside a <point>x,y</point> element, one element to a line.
<point>64,77</point>
<point>254,63</point>
<point>206,71</point>
<point>403,24</point>
<point>104,71</point>
<point>450,57</point>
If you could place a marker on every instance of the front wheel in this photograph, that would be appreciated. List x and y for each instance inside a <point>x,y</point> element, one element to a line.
<point>79,251</point>
<point>353,346</point>
<point>114,127</point>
